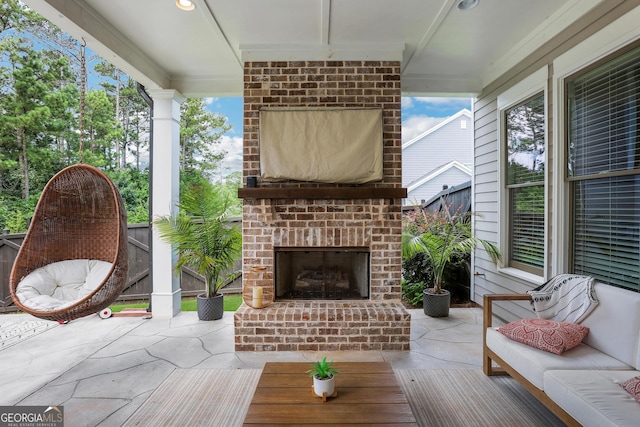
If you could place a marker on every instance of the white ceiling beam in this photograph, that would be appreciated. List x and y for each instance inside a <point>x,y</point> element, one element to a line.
<point>325,21</point>
<point>204,86</point>
<point>446,85</point>
<point>430,31</point>
<point>374,52</point>
<point>208,15</point>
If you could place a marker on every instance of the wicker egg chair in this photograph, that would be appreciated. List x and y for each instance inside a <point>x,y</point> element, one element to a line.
<point>80,216</point>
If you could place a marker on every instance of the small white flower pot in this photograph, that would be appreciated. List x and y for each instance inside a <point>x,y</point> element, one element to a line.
<point>324,385</point>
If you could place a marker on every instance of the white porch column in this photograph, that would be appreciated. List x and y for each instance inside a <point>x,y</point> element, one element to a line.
<point>166,293</point>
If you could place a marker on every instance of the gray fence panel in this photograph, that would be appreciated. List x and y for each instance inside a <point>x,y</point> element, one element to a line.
<point>138,285</point>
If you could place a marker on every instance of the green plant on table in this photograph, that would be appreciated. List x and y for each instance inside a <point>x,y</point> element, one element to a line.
<point>322,369</point>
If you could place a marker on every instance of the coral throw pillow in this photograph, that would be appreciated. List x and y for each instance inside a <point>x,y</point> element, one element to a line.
<point>632,386</point>
<point>548,335</point>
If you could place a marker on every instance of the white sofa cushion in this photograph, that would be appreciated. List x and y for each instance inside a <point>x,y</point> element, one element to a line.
<point>60,284</point>
<point>614,324</point>
<point>594,397</point>
<point>531,362</point>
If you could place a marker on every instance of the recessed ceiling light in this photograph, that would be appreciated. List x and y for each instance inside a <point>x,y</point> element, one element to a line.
<point>187,4</point>
<point>467,4</point>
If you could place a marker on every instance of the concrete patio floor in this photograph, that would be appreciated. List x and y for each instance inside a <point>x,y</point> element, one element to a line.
<point>102,371</point>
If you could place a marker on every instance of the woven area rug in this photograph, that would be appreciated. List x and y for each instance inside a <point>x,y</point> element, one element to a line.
<point>11,333</point>
<point>438,398</point>
<point>199,397</point>
<point>468,398</point>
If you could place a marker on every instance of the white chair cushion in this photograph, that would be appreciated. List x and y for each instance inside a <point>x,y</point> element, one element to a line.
<point>532,363</point>
<point>594,397</point>
<point>60,284</point>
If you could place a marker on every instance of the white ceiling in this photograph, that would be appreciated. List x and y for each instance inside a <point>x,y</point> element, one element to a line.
<point>444,51</point>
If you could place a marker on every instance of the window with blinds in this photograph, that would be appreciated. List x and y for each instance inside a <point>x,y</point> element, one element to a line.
<point>603,168</point>
<point>525,138</point>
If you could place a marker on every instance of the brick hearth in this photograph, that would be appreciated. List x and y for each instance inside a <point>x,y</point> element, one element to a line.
<point>323,326</point>
<point>372,221</point>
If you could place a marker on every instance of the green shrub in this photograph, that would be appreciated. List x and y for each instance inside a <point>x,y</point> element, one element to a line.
<point>412,292</point>
<point>417,269</point>
<point>437,242</point>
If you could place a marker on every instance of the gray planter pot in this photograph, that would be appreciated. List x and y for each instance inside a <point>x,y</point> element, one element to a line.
<point>210,308</point>
<point>436,305</point>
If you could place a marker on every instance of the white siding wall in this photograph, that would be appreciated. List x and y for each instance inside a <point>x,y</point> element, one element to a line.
<point>451,177</point>
<point>488,278</point>
<point>436,149</point>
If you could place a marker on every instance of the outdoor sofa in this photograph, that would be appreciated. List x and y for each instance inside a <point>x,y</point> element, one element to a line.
<point>582,386</point>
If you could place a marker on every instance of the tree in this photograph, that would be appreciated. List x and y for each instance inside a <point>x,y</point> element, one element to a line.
<point>130,112</point>
<point>134,188</point>
<point>100,128</point>
<point>199,131</point>
<point>229,187</point>
<point>35,102</point>
<point>135,124</point>
<point>50,117</point>
<point>526,124</point>
<point>14,16</point>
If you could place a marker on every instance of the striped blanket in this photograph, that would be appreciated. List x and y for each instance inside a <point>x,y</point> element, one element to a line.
<point>565,298</point>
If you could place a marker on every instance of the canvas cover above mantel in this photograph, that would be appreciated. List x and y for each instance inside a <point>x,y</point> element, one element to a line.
<point>321,145</point>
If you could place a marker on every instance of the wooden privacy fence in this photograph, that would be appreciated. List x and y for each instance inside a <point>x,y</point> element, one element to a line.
<point>456,199</point>
<point>138,285</point>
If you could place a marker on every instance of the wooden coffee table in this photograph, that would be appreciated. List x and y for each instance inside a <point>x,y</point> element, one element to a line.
<point>367,393</point>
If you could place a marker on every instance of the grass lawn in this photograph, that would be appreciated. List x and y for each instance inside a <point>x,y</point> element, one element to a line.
<point>231,303</point>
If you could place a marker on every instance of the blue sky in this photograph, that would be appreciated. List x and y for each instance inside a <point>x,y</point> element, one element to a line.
<point>418,115</point>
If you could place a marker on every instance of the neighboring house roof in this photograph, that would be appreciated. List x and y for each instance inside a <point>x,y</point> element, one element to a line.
<point>463,112</point>
<point>435,172</point>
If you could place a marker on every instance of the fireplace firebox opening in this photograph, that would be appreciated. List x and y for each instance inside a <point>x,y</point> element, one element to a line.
<point>321,273</point>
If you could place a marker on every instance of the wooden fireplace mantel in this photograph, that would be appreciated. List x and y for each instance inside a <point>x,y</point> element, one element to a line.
<point>322,193</point>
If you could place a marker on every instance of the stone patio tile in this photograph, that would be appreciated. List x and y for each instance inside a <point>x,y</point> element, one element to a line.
<point>181,352</point>
<point>13,390</point>
<point>91,412</point>
<point>229,360</point>
<point>95,366</point>
<point>220,341</point>
<point>51,394</point>
<point>125,384</point>
<point>120,416</point>
<point>460,333</point>
<point>128,344</point>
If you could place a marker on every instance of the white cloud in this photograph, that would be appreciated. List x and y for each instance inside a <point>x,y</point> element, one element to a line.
<point>209,101</point>
<point>415,125</point>
<point>232,145</point>
<point>407,102</point>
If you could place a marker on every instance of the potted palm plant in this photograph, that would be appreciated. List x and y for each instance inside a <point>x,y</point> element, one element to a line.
<point>204,240</point>
<point>442,240</point>
<point>323,374</point>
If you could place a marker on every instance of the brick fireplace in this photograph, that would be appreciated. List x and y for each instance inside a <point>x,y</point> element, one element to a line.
<point>304,216</point>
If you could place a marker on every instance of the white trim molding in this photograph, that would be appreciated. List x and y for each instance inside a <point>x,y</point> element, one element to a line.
<point>615,36</point>
<point>526,88</point>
